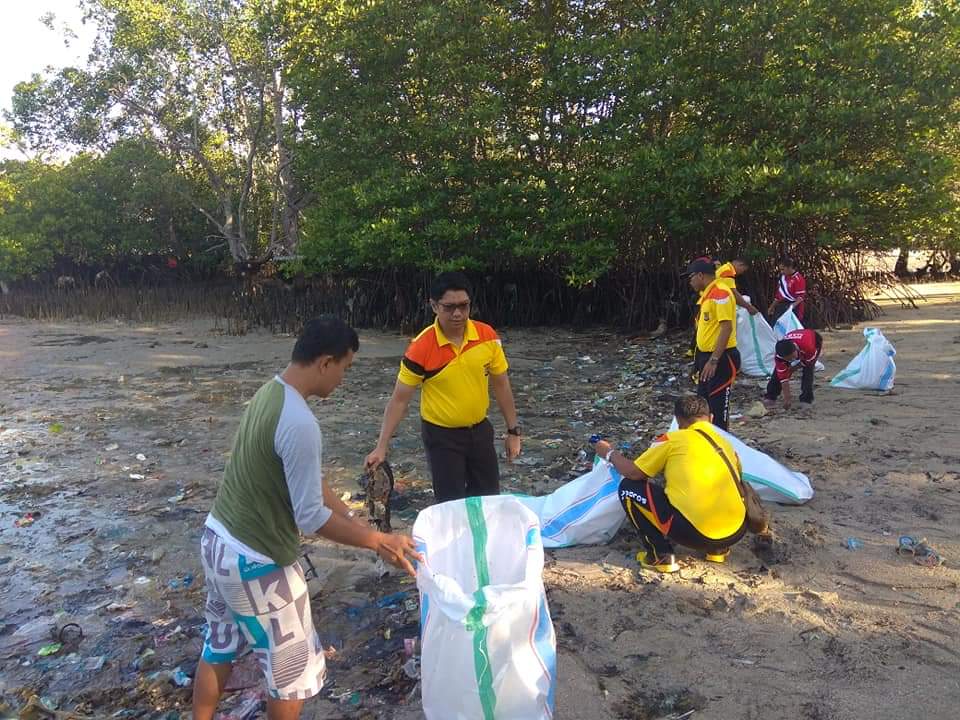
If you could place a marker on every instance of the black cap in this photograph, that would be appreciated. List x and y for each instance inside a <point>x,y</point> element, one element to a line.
<point>701,265</point>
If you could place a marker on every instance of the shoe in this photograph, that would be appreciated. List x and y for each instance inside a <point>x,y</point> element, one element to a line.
<point>718,557</point>
<point>662,563</point>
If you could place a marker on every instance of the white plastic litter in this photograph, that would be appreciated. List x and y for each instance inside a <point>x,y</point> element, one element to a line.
<point>772,481</point>
<point>873,368</point>
<point>584,511</point>
<point>488,645</point>
<point>756,341</point>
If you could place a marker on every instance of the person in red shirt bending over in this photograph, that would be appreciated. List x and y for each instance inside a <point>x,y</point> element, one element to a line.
<point>798,347</point>
<point>791,290</point>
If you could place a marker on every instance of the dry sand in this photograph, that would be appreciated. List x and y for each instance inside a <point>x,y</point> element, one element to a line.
<point>809,629</point>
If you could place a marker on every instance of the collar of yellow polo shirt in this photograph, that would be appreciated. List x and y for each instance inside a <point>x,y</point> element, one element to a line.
<point>696,480</point>
<point>455,382</point>
<point>727,275</point>
<point>716,305</point>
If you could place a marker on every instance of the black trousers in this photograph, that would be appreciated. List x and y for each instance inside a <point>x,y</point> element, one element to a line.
<point>717,389</point>
<point>659,524</point>
<point>775,387</point>
<point>463,461</point>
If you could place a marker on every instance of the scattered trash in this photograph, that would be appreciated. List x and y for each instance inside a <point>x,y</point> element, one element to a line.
<point>118,606</point>
<point>410,669</point>
<point>757,410</point>
<point>409,646</point>
<point>141,457</point>
<point>179,497</point>
<point>51,649</point>
<point>111,447</point>
<point>250,704</point>
<point>923,553</point>
<point>157,555</point>
<point>56,428</point>
<point>180,678</point>
<point>181,583</point>
<point>852,543</point>
<point>26,520</point>
<point>137,476</point>
<point>93,664</point>
<point>146,660</point>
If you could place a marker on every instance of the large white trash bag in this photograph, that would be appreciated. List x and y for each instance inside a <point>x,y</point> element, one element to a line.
<point>772,481</point>
<point>757,342</point>
<point>488,646</point>
<point>788,322</point>
<point>584,511</point>
<point>873,368</point>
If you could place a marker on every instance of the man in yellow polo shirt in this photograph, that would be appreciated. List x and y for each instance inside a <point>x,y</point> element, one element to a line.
<point>454,360</point>
<point>698,505</point>
<point>727,275</point>
<point>717,359</point>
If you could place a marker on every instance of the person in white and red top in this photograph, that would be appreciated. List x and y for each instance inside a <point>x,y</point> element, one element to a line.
<point>791,290</point>
<point>799,348</point>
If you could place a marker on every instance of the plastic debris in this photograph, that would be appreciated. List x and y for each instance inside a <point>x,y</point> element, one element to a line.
<point>93,664</point>
<point>410,669</point>
<point>757,410</point>
<point>180,678</point>
<point>56,428</point>
<point>852,543</point>
<point>181,583</point>
<point>51,649</point>
<point>923,553</point>
<point>137,476</point>
<point>26,520</point>
<point>409,646</point>
<point>141,457</point>
<point>111,447</point>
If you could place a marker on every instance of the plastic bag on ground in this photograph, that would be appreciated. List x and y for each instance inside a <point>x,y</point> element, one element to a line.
<point>873,368</point>
<point>488,645</point>
<point>772,481</point>
<point>584,511</point>
<point>756,341</point>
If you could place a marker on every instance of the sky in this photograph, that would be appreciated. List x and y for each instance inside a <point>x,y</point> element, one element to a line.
<point>27,46</point>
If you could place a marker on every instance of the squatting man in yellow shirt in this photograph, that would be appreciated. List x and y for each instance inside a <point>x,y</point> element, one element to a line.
<point>455,360</point>
<point>698,505</point>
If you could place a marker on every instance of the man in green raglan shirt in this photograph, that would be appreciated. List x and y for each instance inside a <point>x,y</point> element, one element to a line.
<point>272,491</point>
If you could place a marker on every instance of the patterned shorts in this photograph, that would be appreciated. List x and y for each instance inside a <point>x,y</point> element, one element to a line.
<point>267,606</point>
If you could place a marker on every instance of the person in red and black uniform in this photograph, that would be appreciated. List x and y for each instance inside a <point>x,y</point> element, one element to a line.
<point>798,348</point>
<point>791,291</point>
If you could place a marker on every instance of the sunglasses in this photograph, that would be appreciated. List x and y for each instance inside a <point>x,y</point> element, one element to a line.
<point>453,307</point>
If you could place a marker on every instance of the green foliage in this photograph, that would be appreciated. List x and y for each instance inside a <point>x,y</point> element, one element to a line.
<point>96,211</point>
<point>582,136</point>
<point>578,138</point>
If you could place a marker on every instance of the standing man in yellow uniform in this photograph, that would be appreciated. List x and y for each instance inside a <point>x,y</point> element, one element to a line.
<point>698,505</point>
<point>717,359</point>
<point>454,360</point>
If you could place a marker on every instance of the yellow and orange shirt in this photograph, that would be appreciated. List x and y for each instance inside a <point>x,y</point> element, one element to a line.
<point>716,305</point>
<point>455,380</point>
<point>727,275</point>
<point>696,480</point>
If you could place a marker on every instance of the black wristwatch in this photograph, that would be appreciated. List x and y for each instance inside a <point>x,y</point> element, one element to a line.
<point>515,430</point>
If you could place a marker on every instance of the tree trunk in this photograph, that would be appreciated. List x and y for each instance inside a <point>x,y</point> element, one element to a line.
<point>290,213</point>
<point>900,269</point>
